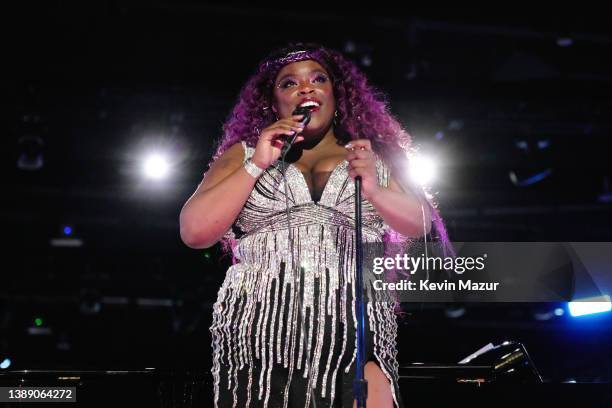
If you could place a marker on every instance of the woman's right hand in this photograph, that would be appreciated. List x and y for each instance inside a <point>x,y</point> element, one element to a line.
<point>271,140</point>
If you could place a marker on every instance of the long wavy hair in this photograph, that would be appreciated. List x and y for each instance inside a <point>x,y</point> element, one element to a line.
<point>362,112</point>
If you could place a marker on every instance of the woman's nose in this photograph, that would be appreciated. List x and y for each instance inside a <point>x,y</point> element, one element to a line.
<point>306,89</point>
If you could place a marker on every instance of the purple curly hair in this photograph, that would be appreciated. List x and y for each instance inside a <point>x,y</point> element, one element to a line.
<point>362,112</point>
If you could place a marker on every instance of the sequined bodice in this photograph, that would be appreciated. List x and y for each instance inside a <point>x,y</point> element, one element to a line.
<point>265,209</point>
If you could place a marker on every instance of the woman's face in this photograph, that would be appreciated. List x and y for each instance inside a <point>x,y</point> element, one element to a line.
<point>305,83</point>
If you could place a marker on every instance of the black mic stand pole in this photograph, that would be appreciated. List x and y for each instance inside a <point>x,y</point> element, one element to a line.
<point>360,384</point>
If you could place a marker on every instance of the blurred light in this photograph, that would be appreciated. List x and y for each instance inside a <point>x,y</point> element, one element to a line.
<point>67,230</point>
<point>454,312</point>
<point>565,42</point>
<point>63,344</point>
<point>559,311</point>
<point>543,316</point>
<point>40,331</point>
<point>6,363</point>
<point>543,144</point>
<point>439,135</point>
<point>366,61</point>
<point>522,145</point>
<point>156,167</point>
<point>350,47</point>
<point>606,194</point>
<point>535,178</point>
<point>66,242</point>
<point>587,306</point>
<point>30,153</point>
<point>605,198</point>
<point>38,322</point>
<point>455,124</point>
<point>151,302</point>
<point>422,169</point>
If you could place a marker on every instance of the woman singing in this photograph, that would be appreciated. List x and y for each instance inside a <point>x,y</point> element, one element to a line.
<point>284,325</point>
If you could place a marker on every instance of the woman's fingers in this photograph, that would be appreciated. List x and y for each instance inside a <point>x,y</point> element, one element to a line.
<point>359,145</point>
<point>279,130</point>
<point>278,142</point>
<point>361,163</point>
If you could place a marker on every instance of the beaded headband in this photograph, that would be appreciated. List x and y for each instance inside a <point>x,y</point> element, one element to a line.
<point>293,56</point>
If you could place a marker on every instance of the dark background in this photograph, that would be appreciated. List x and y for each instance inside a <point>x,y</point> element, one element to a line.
<point>90,88</point>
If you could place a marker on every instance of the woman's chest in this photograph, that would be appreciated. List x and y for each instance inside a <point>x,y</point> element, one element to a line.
<point>317,174</point>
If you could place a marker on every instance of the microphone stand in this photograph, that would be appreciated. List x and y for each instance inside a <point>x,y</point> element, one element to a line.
<point>360,384</point>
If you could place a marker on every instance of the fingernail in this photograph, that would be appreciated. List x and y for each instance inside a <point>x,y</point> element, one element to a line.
<point>348,145</point>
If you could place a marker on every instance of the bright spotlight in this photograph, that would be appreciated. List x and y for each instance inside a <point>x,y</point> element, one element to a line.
<point>156,167</point>
<point>6,363</point>
<point>422,169</point>
<point>589,306</point>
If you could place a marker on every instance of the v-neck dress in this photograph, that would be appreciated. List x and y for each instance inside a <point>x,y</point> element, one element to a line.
<point>259,358</point>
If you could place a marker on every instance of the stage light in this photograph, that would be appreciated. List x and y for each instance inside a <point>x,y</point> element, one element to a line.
<point>350,47</point>
<point>606,194</point>
<point>559,311</point>
<point>456,125</point>
<point>454,311</point>
<point>31,153</point>
<point>89,303</point>
<point>6,363</point>
<point>534,178</point>
<point>366,61</point>
<point>533,161</point>
<point>565,42</point>
<point>63,344</point>
<point>588,306</point>
<point>66,238</point>
<point>38,322</point>
<point>543,144</point>
<point>422,169</point>
<point>156,167</point>
<point>521,145</point>
<point>543,315</point>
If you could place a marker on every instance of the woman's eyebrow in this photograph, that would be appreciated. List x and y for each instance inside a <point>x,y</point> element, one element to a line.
<point>316,70</point>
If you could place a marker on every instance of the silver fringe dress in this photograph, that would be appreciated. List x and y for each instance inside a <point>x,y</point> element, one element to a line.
<point>259,358</point>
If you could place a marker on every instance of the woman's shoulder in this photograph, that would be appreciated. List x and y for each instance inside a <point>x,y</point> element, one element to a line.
<point>228,161</point>
<point>235,153</point>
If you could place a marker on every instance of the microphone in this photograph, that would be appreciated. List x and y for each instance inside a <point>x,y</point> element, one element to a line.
<point>300,110</point>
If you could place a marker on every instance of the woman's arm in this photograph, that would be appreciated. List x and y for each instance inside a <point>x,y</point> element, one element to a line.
<point>218,200</point>
<point>214,206</point>
<point>401,210</point>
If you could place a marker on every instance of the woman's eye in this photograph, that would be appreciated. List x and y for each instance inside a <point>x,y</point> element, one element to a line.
<point>286,84</point>
<point>321,78</point>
